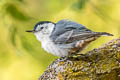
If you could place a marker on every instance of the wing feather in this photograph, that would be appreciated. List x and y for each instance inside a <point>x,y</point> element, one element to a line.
<point>67,31</point>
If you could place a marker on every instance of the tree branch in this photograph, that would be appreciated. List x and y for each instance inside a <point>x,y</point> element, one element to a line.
<point>99,64</point>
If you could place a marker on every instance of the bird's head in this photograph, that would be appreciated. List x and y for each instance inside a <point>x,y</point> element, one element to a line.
<point>42,29</point>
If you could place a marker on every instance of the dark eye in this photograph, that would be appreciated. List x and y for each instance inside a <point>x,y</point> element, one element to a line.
<point>41,28</point>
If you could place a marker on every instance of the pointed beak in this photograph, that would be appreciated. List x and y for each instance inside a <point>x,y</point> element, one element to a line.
<point>30,31</point>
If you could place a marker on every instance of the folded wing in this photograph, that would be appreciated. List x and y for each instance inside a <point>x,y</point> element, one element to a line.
<point>66,32</point>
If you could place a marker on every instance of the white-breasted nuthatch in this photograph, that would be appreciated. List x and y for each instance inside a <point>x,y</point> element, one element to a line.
<point>64,37</point>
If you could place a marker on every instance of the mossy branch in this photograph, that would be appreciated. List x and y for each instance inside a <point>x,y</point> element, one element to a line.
<point>99,64</point>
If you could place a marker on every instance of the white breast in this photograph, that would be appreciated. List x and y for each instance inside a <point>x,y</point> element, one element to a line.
<point>54,49</point>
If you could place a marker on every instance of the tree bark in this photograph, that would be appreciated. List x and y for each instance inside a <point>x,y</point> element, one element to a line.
<point>99,64</point>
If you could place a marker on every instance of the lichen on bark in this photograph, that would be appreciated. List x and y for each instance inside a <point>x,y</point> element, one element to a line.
<point>99,64</point>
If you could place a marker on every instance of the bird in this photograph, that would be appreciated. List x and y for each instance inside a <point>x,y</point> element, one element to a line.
<point>64,38</point>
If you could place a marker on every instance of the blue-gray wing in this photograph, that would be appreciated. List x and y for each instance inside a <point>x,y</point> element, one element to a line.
<point>67,31</point>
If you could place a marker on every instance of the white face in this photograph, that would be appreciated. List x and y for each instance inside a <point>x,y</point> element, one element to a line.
<point>43,31</point>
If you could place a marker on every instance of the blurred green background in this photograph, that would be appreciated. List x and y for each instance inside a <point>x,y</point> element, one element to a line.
<point>21,56</point>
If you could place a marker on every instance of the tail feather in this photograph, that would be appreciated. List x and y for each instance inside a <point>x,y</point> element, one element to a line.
<point>105,34</point>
